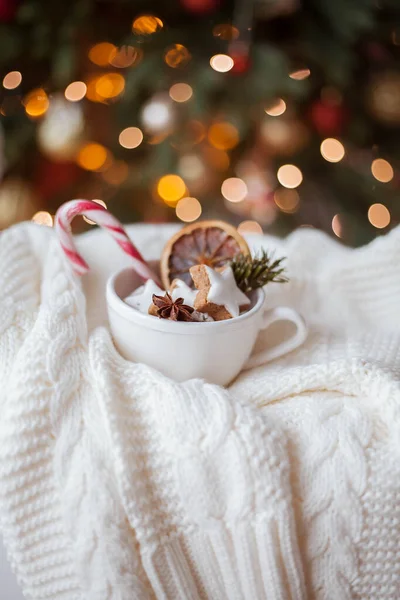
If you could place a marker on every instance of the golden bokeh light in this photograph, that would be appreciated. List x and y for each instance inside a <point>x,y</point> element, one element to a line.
<point>102,203</point>
<point>300,74</point>
<point>92,156</point>
<point>382,170</point>
<point>223,135</point>
<point>250,227</point>
<point>277,108</point>
<point>219,159</point>
<point>110,85</point>
<point>378,216</point>
<point>289,176</point>
<point>234,189</point>
<point>226,32</point>
<point>171,188</point>
<point>180,92</point>
<point>101,54</point>
<point>36,103</point>
<point>188,209</point>
<point>43,217</point>
<point>91,93</point>
<point>221,63</point>
<point>75,91</point>
<point>126,56</point>
<point>337,226</point>
<point>146,25</point>
<point>287,200</point>
<point>12,80</point>
<point>177,56</point>
<point>332,150</point>
<point>117,173</point>
<point>131,137</point>
<point>191,167</point>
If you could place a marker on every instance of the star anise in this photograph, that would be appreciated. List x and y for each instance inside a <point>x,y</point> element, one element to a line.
<point>175,310</point>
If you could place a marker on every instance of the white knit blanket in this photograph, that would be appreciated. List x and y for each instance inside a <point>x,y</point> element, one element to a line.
<point>117,483</point>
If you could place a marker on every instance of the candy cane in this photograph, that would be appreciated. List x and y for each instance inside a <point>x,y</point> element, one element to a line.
<point>100,215</point>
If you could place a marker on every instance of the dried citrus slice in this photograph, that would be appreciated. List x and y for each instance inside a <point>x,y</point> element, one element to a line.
<point>211,243</point>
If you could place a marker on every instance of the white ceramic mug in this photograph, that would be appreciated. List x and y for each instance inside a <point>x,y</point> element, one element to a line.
<point>215,351</point>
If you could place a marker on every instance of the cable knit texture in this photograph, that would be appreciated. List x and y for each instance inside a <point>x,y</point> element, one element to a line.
<point>117,483</point>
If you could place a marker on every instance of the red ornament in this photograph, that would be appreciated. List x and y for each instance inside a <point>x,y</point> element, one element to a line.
<point>8,8</point>
<point>327,118</point>
<point>200,6</point>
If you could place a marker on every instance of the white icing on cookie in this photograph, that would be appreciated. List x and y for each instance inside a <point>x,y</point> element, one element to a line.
<point>224,291</point>
<point>182,290</point>
<point>142,297</point>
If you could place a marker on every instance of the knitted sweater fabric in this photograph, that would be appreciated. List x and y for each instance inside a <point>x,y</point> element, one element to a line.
<point>117,483</point>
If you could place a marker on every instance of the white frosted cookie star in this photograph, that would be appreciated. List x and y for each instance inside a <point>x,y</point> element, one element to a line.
<point>142,297</point>
<point>218,294</point>
<point>180,289</point>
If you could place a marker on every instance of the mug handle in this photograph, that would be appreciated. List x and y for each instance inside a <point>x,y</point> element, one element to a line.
<point>279,314</point>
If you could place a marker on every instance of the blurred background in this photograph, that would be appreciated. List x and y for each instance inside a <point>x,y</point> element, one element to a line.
<point>271,114</point>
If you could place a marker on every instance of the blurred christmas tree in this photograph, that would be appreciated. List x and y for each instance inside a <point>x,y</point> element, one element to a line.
<point>269,113</point>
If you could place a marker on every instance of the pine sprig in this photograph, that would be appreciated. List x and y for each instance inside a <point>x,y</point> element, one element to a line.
<point>252,272</point>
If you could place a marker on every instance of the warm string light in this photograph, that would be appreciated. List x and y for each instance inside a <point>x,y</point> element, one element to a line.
<point>337,226</point>
<point>300,74</point>
<point>171,188</point>
<point>75,91</point>
<point>110,85</point>
<point>12,80</point>
<point>191,167</point>
<point>234,189</point>
<point>126,56</point>
<point>250,227</point>
<point>379,216</point>
<point>177,56</point>
<point>117,173</point>
<point>221,63</point>
<point>43,217</point>
<point>131,137</point>
<point>36,103</point>
<point>226,32</point>
<point>156,115</point>
<point>146,25</point>
<point>382,170</point>
<point>223,136</point>
<point>289,176</point>
<point>277,108</point>
<point>287,200</point>
<point>180,92</point>
<point>332,150</point>
<point>188,209</point>
<point>92,156</point>
<point>102,53</point>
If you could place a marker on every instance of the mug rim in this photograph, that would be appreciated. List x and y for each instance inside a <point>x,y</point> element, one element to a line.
<point>117,304</point>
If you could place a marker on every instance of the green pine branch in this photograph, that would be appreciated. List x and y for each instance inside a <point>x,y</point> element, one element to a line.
<point>252,272</point>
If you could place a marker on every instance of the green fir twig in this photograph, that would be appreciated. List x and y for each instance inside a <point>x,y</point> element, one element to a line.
<point>252,272</point>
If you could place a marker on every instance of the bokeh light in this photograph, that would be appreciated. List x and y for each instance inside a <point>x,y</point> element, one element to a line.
<point>75,91</point>
<point>92,156</point>
<point>117,173</point>
<point>180,92</point>
<point>379,216</point>
<point>102,203</point>
<point>226,32</point>
<point>234,189</point>
<point>126,56</point>
<point>289,176</point>
<point>101,54</point>
<point>156,115</point>
<point>300,74</point>
<point>188,209</point>
<point>171,188</point>
<point>223,136</point>
<point>36,103</point>
<point>219,159</point>
<point>277,108</point>
<point>131,137</point>
<point>332,150</point>
<point>43,217</point>
<point>110,85</point>
<point>337,226</point>
<point>191,166</point>
<point>221,63</point>
<point>287,200</point>
<point>382,170</point>
<point>146,25</point>
<point>177,56</point>
<point>250,227</point>
<point>12,80</point>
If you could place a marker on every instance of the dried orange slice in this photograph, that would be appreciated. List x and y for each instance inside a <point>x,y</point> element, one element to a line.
<point>211,243</point>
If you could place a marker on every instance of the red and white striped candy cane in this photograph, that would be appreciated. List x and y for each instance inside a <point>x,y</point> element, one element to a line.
<point>100,215</point>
